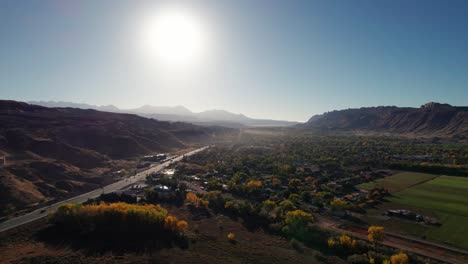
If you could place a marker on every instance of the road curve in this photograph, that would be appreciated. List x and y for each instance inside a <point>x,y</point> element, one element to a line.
<point>42,212</point>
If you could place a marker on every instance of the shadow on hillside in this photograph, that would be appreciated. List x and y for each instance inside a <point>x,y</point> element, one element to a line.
<point>118,242</point>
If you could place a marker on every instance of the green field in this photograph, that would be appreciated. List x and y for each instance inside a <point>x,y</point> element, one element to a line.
<point>444,197</point>
<point>398,182</point>
<point>445,194</point>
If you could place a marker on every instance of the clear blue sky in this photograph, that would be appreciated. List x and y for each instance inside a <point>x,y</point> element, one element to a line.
<point>268,59</point>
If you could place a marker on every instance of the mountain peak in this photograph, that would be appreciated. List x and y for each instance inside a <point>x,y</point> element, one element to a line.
<point>432,105</point>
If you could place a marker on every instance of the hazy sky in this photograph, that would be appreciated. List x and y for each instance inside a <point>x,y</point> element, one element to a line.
<point>266,59</point>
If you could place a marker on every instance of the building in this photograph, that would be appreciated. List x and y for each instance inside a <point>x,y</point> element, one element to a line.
<point>158,157</point>
<point>163,191</point>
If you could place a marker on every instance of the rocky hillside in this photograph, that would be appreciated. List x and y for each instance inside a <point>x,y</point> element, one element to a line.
<point>55,152</point>
<point>430,120</point>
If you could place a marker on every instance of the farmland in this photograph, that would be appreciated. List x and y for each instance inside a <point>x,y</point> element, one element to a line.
<point>446,194</point>
<point>398,182</point>
<point>443,197</point>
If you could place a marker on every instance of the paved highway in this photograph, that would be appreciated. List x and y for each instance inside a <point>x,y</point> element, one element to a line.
<point>42,212</point>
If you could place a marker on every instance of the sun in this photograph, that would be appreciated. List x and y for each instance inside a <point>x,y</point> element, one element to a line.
<point>174,38</point>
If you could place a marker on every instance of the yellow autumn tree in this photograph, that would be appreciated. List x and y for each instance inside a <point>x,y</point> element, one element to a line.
<point>231,236</point>
<point>228,204</point>
<point>375,234</point>
<point>338,204</point>
<point>347,241</point>
<point>115,217</point>
<point>331,242</point>
<point>297,221</point>
<point>400,258</point>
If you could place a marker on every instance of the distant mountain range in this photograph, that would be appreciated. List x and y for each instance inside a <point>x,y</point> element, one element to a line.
<point>179,114</point>
<point>430,120</point>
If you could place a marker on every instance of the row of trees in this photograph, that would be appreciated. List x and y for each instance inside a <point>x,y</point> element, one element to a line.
<point>117,219</point>
<point>361,252</point>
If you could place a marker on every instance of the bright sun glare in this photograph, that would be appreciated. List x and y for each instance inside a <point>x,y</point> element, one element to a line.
<point>174,38</point>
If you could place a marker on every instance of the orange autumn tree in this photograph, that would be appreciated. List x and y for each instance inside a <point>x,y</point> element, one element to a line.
<point>195,200</point>
<point>182,225</point>
<point>254,184</point>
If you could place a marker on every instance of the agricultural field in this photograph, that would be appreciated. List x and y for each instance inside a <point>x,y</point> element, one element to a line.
<point>398,182</point>
<point>446,193</point>
<point>444,198</point>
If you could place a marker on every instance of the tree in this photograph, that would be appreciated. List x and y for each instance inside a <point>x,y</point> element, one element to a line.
<point>215,199</point>
<point>170,222</point>
<point>116,218</point>
<point>347,242</point>
<point>375,234</point>
<point>331,242</point>
<point>294,184</point>
<point>182,225</point>
<point>254,184</point>
<point>400,258</point>
<point>231,236</point>
<point>268,205</point>
<point>229,204</point>
<point>275,182</point>
<point>297,221</point>
<point>195,200</point>
<point>286,206</point>
<point>294,197</point>
<point>338,204</point>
